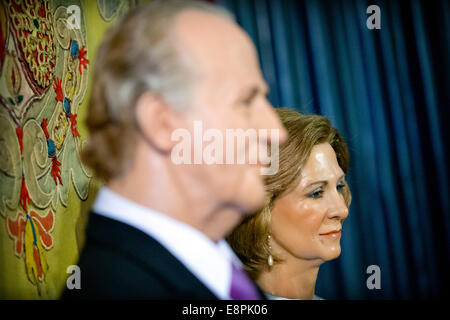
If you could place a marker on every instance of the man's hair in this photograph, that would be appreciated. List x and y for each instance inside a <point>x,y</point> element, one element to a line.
<point>138,54</point>
<point>249,239</point>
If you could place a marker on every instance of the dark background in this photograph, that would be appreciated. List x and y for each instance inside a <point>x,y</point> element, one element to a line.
<point>388,92</point>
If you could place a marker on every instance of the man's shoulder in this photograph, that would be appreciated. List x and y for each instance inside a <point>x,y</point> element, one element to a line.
<point>109,274</point>
<point>119,261</point>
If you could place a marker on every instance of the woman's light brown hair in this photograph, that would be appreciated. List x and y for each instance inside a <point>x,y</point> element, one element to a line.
<point>249,239</point>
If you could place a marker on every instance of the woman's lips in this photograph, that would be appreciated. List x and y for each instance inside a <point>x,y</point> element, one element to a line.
<point>334,233</point>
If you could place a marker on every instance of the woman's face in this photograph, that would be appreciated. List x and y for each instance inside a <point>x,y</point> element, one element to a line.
<point>306,223</point>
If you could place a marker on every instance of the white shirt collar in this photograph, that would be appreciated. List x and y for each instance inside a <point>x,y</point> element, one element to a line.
<point>210,262</point>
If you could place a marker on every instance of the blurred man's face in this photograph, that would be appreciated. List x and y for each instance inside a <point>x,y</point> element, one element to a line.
<point>229,92</point>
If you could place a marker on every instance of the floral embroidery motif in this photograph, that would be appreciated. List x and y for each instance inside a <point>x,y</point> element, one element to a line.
<point>39,141</point>
<point>32,233</point>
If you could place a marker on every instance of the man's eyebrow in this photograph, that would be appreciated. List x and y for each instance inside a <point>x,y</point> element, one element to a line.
<point>255,89</point>
<point>249,93</point>
<point>252,92</point>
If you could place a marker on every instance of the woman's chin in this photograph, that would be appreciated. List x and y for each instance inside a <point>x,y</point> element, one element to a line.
<point>332,253</point>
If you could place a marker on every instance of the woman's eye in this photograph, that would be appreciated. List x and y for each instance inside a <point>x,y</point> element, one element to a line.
<point>316,194</point>
<point>340,187</point>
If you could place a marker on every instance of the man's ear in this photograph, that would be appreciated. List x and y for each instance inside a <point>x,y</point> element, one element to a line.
<point>156,121</point>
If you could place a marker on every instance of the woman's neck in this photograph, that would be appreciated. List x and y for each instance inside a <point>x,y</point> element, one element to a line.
<point>293,278</point>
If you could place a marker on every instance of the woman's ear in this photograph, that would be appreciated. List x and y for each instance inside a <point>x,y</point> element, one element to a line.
<point>156,121</point>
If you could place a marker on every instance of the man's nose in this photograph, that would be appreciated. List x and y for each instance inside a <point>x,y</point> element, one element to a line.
<point>270,120</point>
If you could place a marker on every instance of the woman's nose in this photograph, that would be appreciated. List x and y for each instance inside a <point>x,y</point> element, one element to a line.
<point>338,207</point>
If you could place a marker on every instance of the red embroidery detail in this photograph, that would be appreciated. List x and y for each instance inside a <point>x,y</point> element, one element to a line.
<point>82,57</point>
<point>38,65</point>
<point>41,11</point>
<point>37,260</point>
<point>58,89</point>
<point>24,196</point>
<point>19,132</point>
<point>56,171</point>
<point>73,125</point>
<point>16,228</point>
<point>44,225</point>
<point>44,127</point>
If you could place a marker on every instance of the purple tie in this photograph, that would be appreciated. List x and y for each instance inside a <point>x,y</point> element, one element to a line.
<point>241,286</point>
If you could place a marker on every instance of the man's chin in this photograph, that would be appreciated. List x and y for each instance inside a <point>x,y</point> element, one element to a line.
<point>248,194</point>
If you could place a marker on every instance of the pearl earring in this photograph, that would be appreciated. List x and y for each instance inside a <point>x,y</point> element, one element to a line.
<point>270,258</point>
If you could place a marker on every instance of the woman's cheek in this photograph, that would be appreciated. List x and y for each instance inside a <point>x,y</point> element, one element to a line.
<point>313,213</point>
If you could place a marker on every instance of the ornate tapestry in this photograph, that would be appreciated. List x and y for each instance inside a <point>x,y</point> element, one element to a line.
<point>45,59</point>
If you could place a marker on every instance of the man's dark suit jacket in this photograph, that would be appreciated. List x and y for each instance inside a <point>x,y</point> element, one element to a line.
<point>121,262</point>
